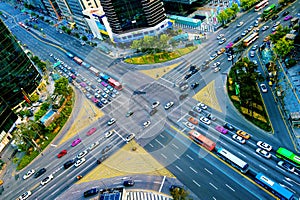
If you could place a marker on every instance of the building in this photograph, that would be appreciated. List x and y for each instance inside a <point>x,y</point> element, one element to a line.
<point>52,8</point>
<point>18,77</point>
<point>181,1</point>
<point>132,19</point>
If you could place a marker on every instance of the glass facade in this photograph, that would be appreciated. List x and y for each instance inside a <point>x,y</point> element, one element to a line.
<point>17,71</point>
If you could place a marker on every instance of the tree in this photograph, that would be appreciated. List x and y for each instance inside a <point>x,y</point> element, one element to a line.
<point>63,28</point>
<point>179,194</point>
<point>235,8</point>
<point>222,17</point>
<point>136,44</point>
<point>283,47</point>
<point>61,86</point>
<point>34,97</point>
<point>68,31</point>
<point>239,49</point>
<point>148,42</point>
<point>280,33</point>
<point>230,13</point>
<point>77,35</point>
<point>84,38</point>
<point>163,41</point>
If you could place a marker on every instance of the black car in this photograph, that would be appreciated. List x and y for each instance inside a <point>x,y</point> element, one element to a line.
<point>237,39</point>
<point>188,76</point>
<point>194,85</point>
<point>285,13</point>
<point>228,126</point>
<point>91,192</point>
<point>99,104</point>
<point>175,187</point>
<point>101,159</point>
<point>275,17</point>
<point>69,164</point>
<point>129,182</point>
<point>39,173</point>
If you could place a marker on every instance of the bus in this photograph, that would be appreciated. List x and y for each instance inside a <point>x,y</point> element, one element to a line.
<point>94,70</point>
<point>250,39</point>
<point>288,156</point>
<point>24,26</point>
<point>274,187</point>
<point>202,140</point>
<point>77,60</point>
<point>115,84</point>
<point>233,160</point>
<point>104,77</point>
<point>86,65</point>
<point>268,11</point>
<point>261,5</point>
<point>70,55</point>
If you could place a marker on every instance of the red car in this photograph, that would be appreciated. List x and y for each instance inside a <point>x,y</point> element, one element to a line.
<point>91,131</point>
<point>62,153</point>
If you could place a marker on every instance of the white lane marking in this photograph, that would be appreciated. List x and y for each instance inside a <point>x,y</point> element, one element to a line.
<point>208,171</point>
<point>162,183</point>
<point>263,167</point>
<point>163,155</point>
<point>230,187</point>
<point>196,183</point>
<point>288,182</point>
<point>175,146</point>
<point>178,168</point>
<point>214,198</point>
<point>213,186</point>
<point>242,154</point>
<point>159,143</point>
<point>161,136</point>
<point>176,156</point>
<point>189,157</point>
<point>193,170</point>
<point>151,145</point>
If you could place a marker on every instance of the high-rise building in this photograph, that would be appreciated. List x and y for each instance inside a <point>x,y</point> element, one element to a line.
<point>18,77</point>
<point>52,8</point>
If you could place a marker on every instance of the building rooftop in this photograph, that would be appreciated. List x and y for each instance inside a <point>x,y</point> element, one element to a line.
<point>186,19</point>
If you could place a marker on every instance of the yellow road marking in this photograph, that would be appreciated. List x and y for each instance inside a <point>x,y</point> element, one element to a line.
<point>156,73</point>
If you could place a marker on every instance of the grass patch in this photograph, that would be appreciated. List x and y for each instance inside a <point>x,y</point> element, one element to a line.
<point>160,57</point>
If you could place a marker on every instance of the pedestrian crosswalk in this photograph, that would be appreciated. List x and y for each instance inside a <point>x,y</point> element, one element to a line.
<point>145,195</point>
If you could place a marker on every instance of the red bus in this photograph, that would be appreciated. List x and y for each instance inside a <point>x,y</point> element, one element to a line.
<point>202,140</point>
<point>261,5</point>
<point>115,84</point>
<point>77,60</point>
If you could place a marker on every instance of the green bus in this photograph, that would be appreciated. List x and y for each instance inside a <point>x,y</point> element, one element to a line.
<point>268,11</point>
<point>289,156</point>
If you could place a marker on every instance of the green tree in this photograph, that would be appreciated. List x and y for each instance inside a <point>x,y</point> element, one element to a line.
<point>84,38</point>
<point>61,86</point>
<point>63,28</point>
<point>179,194</point>
<point>68,31</point>
<point>35,26</point>
<point>235,8</point>
<point>163,42</point>
<point>77,35</point>
<point>222,17</point>
<point>283,47</point>
<point>34,98</point>
<point>136,44</point>
<point>148,42</point>
<point>280,33</point>
<point>230,13</point>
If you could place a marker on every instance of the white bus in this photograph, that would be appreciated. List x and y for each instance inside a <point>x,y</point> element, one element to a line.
<point>261,5</point>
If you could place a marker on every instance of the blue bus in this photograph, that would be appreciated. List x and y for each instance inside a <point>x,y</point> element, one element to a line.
<point>274,187</point>
<point>104,77</point>
<point>70,55</point>
<point>86,65</point>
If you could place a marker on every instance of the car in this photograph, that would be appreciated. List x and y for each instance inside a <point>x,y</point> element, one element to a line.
<point>240,24</point>
<point>245,32</point>
<point>230,57</point>
<point>255,62</point>
<point>254,47</point>
<point>250,28</point>
<point>255,24</point>
<point>198,109</point>
<point>237,39</point>
<point>175,187</point>
<point>111,121</point>
<point>115,92</point>
<point>274,29</point>
<point>104,95</point>
<point>194,85</point>
<point>112,95</point>
<point>106,149</point>
<point>288,18</point>
<point>264,145</point>
<point>104,101</point>
<point>130,137</point>
<point>222,41</point>
<point>265,28</point>
<point>169,105</point>
<point>263,153</point>
<point>75,142</point>
<point>216,69</point>
<point>204,67</point>
<point>216,64</point>
<point>129,182</point>
<point>189,125</point>
<point>263,88</point>
<point>99,104</point>
<point>205,120</point>
<point>47,180</point>
<point>101,159</point>
<point>39,173</point>
<point>146,124</point>
<point>275,17</point>
<point>202,105</point>
<point>221,129</point>
<point>69,163</point>
<point>109,133</point>
<point>211,117</point>
<point>110,88</point>
<point>82,154</point>
<point>243,134</point>
<point>239,139</point>
<point>25,195</point>
<point>286,166</point>
<point>28,174</point>
<point>228,126</point>
<point>276,24</point>
<point>91,192</point>
<point>212,57</point>
<point>79,162</point>
<point>155,104</point>
<point>252,53</point>
<point>94,145</point>
<point>106,90</point>
<point>193,120</point>
<point>104,84</point>
<point>91,131</point>
<point>222,50</point>
<point>129,113</point>
<point>187,76</point>
<point>285,13</point>
<point>62,153</point>
<point>220,36</point>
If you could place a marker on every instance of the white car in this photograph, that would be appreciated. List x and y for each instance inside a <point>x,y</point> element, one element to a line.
<point>252,53</point>
<point>47,180</point>
<point>263,88</point>
<point>111,121</point>
<point>286,166</point>
<point>222,41</point>
<point>264,145</point>
<point>205,120</point>
<point>216,69</point>
<point>198,109</point>
<point>250,28</point>
<point>25,195</point>
<point>239,139</point>
<point>220,36</point>
<point>263,153</point>
<point>130,137</point>
<point>231,57</point>
<point>213,56</point>
<point>155,104</point>
<point>202,105</point>
<point>169,105</point>
<point>79,162</point>
<point>216,64</point>
<point>94,145</point>
<point>265,28</point>
<point>189,125</point>
<point>108,134</point>
<point>28,174</point>
<point>82,154</point>
<point>240,24</point>
<point>254,47</point>
<point>146,124</point>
